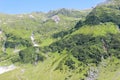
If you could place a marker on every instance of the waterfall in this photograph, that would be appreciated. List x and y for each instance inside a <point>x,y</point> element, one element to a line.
<point>33,40</point>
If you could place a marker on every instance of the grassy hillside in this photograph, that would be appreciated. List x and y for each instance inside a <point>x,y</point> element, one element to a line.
<point>63,44</point>
<point>109,69</point>
<point>106,12</point>
<point>73,56</point>
<point>17,47</point>
<point>46,70</point>
<point>18,28</point>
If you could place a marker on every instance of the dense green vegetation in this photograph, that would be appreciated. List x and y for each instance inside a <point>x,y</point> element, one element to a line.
<point>62,44</point>
<point>108,12</point>
<point>98,41</point>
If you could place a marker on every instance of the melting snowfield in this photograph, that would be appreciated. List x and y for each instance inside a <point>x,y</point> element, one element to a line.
<point>4,69</point>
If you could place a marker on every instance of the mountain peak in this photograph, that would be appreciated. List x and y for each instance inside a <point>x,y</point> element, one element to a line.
<point>68,12</point>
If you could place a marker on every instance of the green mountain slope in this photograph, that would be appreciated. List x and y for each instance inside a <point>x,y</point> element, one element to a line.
<point>70,13</point>
<point>62,44</point>
<point>106,12</point>
<point>17,46</point>
<point>21,26</point>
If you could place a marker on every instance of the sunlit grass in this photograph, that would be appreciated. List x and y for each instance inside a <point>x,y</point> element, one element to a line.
<point>98,30</point>
<point>109,69</point>
<point>45,70</point>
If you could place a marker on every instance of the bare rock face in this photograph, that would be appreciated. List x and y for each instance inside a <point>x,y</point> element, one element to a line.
<point>1,40</point>
<point>31,16</point>
<point>56,18</point>
<point>0,31</point>
<point>92,74</point>
<point>0,21</point>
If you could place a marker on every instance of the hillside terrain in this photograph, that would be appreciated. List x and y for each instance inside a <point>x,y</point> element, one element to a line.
<point>63,44</point>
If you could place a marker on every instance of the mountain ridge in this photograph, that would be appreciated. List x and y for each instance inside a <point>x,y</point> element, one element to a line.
<point>73,48</point>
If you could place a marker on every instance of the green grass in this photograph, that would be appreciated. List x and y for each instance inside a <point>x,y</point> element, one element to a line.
<point>45,70</point>
<point>109,69</point>
<point>53,67</point>
<point>98,30</point>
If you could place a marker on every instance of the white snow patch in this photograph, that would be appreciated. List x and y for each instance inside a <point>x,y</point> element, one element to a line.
<point>4,69</point>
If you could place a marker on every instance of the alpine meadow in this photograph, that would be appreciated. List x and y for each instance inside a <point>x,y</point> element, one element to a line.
<point>62,44</point>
